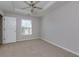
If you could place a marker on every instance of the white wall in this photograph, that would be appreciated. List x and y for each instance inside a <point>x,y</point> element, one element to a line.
<point>35,26</point>
<point>62,26</point>
<point>1,12</point>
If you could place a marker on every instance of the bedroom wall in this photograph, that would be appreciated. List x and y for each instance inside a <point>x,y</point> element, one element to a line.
<point>62,26</point>
<point>35,26</point>
<point>1,12</point>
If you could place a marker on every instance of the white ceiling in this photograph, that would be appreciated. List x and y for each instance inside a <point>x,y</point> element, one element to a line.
<point>14,7</point>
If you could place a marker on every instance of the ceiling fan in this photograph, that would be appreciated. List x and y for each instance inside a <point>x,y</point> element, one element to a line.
<point>32,5</point>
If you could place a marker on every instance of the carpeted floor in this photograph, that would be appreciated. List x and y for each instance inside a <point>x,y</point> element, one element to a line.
<point>33,48</point>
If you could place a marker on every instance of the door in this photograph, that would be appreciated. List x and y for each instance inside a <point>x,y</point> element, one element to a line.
<point>10,29</point>
<point>0,29</point>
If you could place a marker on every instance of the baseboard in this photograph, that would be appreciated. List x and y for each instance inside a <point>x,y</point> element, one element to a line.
<point>66,49</point>
<point>20,40</point>
<point>25,40</point>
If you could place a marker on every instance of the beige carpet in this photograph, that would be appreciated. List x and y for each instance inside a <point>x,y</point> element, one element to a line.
<point>33,48</point>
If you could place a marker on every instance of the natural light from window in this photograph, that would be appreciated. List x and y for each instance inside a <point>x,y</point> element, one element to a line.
<point>26,27</point>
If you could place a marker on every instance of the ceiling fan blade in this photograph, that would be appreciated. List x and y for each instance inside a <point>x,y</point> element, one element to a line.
<point>38,7</point>
<point>36,2</point>
<point>31,1</point>
<point>25,8</point>
<point>27,3</point>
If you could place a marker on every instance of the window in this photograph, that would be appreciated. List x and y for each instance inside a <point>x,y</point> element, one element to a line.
<point>26,27</point>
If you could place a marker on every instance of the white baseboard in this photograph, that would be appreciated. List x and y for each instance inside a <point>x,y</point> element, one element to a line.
<point>66,49</point>
<point>28,39</point>
<point>20,40</point>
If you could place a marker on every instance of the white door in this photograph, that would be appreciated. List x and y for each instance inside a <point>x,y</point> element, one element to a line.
<point>10,29</point>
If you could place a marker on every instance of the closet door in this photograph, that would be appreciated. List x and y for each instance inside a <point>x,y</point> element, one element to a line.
<point>10,29</point>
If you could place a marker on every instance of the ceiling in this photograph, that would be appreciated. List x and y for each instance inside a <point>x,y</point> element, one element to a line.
<point>15,7</point>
